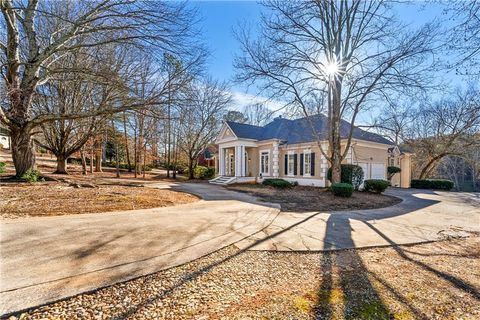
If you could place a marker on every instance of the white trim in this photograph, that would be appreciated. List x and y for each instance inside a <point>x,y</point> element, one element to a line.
<point>305,152</point>
<point>292,154</point>
<point>264,174</point>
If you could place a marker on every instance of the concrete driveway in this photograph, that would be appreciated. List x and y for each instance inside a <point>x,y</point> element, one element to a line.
<point>46,259</point>
<point>422,216</point>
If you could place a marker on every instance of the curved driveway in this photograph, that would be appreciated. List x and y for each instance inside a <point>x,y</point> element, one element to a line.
<point>49,258</point>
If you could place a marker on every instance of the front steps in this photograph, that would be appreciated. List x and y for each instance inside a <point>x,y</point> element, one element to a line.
<point>222,180</point>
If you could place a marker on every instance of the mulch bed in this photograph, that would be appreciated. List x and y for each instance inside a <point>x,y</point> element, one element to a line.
<point>430,281</point>
<point>307,199</point>
<point>53,198</point>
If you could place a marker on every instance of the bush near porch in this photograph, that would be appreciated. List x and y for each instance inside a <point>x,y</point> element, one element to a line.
<point>342,189</point>
<point>376,185</point>
<point>351,174</point>
<point>277,183</point>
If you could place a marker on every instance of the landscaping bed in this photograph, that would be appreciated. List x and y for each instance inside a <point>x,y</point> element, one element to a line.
<point>429,281</point>
<point>303,198</point>
<point>59,198</point>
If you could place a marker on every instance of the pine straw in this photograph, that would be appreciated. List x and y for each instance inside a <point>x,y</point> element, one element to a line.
<point>54,198</point>
<point>303,198</point>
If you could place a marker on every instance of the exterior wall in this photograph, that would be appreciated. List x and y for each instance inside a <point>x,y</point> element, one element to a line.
<point>406,173</point>
<point>253,162</point>
<point>260,148</point>
<point>319,176</point>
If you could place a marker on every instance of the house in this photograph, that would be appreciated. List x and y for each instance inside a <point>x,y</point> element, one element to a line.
<point>207,157</point>
<point>288,149</point>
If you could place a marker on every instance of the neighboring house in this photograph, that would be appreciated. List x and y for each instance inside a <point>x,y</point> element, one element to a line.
<point>207,157</point>
<point>4,138</point>
<point>288,149</point>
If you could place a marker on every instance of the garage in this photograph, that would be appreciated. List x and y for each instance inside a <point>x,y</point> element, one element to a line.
<point>373,170</point>
<point>378,171</point>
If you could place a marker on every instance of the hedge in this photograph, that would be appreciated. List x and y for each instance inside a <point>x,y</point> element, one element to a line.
<point>439,184</point>
<point>277,183</point>
<point>376,185</point>
<point>201,172</point>
<point>342,189</point>
<point>2,167</point>
<point>351,174</point>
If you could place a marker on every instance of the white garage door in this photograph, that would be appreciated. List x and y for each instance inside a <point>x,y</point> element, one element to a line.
<point>378,171</point>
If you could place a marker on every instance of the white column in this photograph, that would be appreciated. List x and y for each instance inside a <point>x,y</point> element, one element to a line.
<point>238,161</point>
<point>221,161</point>
<point>275,159</point>
<point>244,166</point>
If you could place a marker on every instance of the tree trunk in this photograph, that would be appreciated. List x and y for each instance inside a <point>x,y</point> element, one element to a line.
<point>61,165</point>
<point>126,142</point>
<point>91,159</point>
<point>23,153</point>
<point>190,169</point>
<point>98,156</point>
<point>84,162</point>
<point>335,141</point>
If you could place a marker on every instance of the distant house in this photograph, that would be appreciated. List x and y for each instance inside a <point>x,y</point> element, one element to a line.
<point>288,149</point>
<point>207,157</point>
<point>4,138</point>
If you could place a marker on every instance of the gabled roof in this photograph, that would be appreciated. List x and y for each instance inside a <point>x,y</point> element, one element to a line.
<point>246,131</point>
<point>299,130</point>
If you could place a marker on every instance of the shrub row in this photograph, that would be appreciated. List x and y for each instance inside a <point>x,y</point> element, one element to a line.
<point>2,167</point>
<point>277,183</point>
<point>201,172</point>
<point>351,174</point>
<point>341,189</point>
<point>376,185</point>
<point>440,184</point>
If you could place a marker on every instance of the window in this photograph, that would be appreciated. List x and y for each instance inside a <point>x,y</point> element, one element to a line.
<point>291,164</point>
<point>391,161</point>
<point>307,164</point>
<point>264,163</point>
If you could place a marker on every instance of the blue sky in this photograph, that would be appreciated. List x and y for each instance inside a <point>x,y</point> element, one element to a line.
<point>221,17</point>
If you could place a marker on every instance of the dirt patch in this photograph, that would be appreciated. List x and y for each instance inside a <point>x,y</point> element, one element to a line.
<point>430,281</point>
<point>56,198</point>
<point>302,198</point>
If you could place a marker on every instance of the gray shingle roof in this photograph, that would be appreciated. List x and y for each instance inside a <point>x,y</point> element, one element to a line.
<point>299,130</point>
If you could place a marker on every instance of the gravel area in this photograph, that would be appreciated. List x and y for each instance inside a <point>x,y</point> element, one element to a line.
<point>430,281</point>
<point>303,198</point>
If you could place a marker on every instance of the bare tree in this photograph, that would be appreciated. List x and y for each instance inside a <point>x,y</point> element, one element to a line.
<point>348,53</point>
<point>258,114</point>
<point>447,127</point>
<point>40,33</point>
<point>464,40</point>
<point>201,114</point>
<point>393,122</point>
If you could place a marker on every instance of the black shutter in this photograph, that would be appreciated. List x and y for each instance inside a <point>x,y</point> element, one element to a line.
<point>286,164</point>
<point>295,163</point>
<point>301,164</point>
<point>312,163</point>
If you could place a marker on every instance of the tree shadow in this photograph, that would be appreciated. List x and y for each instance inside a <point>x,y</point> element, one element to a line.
<point>458,283</point>
<point>346,290</point>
